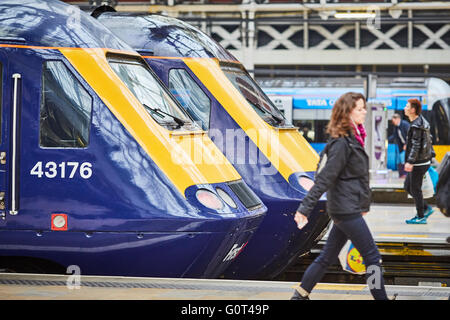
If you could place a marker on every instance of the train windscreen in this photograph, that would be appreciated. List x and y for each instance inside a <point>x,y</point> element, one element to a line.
<point>148,89</point>
<point>190,96</point>
<point>242,81</point>
<point>440,122</point>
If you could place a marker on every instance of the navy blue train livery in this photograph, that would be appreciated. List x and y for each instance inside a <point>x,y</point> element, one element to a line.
<point>270,155</point>
<point>100,165</point>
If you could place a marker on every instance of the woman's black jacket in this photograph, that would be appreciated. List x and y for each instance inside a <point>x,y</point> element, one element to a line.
<point>345,175</point>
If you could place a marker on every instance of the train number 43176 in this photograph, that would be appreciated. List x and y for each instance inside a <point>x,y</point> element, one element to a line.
<point>62,170</point>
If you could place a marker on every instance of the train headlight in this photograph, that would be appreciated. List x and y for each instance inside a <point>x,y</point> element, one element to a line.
<point>209,199</point>
<point>226,197</point>
<point>305,182</point>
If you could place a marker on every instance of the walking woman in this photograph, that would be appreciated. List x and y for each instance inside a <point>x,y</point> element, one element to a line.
<point>344,174</point>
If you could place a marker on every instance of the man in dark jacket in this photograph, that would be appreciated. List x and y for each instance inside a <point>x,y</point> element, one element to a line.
<point>401,128</point>
<point>418,156</point>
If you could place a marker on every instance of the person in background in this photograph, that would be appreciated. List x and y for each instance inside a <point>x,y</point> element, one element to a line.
<point>418,154</point>
<point>305,130</point>
<point>343,173</point>
<point>401,128</point>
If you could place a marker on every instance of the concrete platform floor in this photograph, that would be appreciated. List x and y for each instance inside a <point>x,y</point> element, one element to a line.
<point>386,221</point>
<point>62,287</point>
<point>387,224</point>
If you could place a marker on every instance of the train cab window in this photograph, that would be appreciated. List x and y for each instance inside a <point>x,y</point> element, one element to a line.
<point>65,116</point>
<point>151,92</point>
<point>440,122</point>
<point>190,95</point>
<point>242,81</point>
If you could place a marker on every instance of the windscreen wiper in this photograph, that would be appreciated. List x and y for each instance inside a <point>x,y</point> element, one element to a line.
<point>257,105</point>
<point>178,121</point>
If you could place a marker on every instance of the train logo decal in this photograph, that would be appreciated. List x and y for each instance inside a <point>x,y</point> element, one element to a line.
<point>234,252</point>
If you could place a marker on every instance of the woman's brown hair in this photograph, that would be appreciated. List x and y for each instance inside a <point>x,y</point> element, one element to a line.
<point>340,122</point>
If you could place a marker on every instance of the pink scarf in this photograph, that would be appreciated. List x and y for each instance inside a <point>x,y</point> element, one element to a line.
<point>360,133</point>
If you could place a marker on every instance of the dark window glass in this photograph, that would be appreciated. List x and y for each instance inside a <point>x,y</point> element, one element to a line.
<point>440,122</point>
<point>151,92</point>
<point>66,107</point>
<point>190,95</point>
<point>242,81</point>
<point>314,131</point>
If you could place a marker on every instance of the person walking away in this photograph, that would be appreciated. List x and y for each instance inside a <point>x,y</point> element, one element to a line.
<point>343,172</point>
<point>398,137</point>
<point>418,156</point>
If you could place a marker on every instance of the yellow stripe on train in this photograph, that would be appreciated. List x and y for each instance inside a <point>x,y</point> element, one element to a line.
<point>286,149</point>
<point>187,158</point>
<point>440,151</point>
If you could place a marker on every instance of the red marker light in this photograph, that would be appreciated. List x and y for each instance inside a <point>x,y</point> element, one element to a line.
<point>209,199</point>
<point>306,182</point>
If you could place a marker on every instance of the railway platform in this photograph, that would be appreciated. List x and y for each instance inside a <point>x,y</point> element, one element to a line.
<point>389,188</point>
<point>423,251</point>
<point>63,287</point>
<point>412,254</point>
<point>387,223</point>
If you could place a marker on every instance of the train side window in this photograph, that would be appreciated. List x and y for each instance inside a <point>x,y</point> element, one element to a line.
<point>190,96</point>
<point>65,116</point>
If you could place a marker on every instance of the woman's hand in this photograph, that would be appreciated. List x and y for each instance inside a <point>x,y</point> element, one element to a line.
<point>364,213</point>
<point>301,220</point>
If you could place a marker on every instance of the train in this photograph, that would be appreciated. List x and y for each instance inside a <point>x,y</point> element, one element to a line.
<point>271,155</point>
<point>102,170</point>
<point>307,102</point>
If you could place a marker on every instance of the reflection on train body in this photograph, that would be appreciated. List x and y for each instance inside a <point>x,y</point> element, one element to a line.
<point>270,155</point>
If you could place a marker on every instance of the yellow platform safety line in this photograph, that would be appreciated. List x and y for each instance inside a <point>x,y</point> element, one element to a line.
<point>338,287</point>
<point>402,251</point>
<point>286,149</point>
<point>402,235</point>
<point>405,252</point>
<point>187,159</point>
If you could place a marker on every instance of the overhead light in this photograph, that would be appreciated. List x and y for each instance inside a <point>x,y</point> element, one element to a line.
<point>355,15</point>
